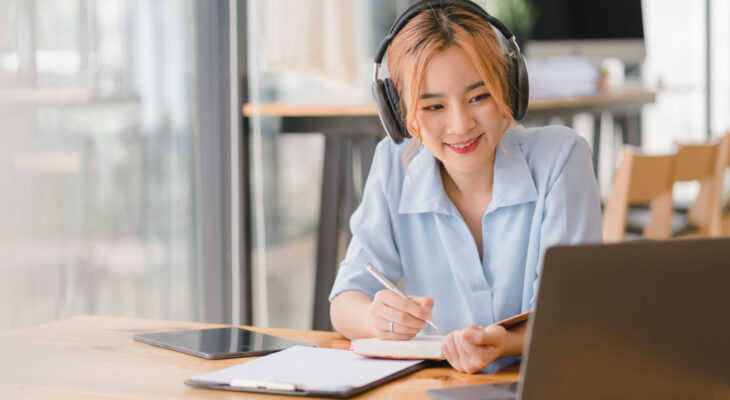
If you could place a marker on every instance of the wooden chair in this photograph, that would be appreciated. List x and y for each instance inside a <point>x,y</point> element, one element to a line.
<point>640,179</point>
<point>707,211</point>
<point>694,163</point>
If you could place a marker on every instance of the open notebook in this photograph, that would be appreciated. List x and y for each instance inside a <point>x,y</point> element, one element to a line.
<point>421,347</point>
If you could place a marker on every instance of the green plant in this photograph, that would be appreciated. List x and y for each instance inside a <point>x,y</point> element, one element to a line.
<point>519,16</point>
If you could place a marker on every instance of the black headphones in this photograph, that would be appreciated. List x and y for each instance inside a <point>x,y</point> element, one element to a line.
<point>386,95</point>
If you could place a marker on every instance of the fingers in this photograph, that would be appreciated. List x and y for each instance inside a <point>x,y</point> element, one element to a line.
<point>402,318</point>
<point>472,357</point>
<point>399,332</point>
<point>492,335</point>
<point>382,330</point>
<point>407,317</point>
<point>449,350</point>
<point>466,356</point>
<point>414,309</point>
<point>397,309</point>
<point>425,303</point>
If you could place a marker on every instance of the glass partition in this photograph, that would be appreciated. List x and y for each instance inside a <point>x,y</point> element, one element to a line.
<point>100,183</point>
<point>314,53</point>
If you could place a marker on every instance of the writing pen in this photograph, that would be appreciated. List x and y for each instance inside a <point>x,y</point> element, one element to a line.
<point>390,286</point>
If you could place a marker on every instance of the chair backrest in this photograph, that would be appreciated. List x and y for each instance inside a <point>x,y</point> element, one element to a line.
<point>694,162</point>
<point>706,212</point>
<point>640,179</point>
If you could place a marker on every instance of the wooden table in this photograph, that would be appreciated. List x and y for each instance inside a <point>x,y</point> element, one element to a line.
<point>92,357</point>
<point>356,128</point>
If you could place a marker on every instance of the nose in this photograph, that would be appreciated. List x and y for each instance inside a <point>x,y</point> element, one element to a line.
<point>461,121</point>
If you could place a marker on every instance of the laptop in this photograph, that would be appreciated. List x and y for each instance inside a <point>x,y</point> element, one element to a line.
<point>636,320</point>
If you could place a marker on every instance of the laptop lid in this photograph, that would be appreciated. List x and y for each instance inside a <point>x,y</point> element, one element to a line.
<point>631,320</point>
<point>636,320</point>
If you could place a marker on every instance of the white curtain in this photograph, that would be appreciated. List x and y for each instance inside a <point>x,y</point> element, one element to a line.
<point>309,37</point>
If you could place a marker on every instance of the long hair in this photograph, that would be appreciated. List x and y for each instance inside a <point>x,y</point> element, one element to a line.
<point>433,31</point>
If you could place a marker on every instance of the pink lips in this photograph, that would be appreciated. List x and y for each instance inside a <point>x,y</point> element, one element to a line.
<point>467,149</point>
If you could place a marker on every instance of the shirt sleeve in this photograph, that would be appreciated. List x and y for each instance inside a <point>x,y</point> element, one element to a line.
<point>572,212</point>
<point>372,232</point>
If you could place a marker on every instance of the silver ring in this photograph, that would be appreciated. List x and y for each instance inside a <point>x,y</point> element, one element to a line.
<point>390,326</point>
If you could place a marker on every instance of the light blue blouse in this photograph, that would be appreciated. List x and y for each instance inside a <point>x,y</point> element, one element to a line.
<point>544,194</point>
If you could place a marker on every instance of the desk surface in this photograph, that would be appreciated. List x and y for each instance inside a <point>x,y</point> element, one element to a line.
<point>627,95</point>
<point>87,357</point>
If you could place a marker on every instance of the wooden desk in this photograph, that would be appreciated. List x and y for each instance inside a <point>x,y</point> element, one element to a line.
<point>91,357</point>
<point>357,128</point>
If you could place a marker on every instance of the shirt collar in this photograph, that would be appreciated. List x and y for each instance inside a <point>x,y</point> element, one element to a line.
<point>424,191</point>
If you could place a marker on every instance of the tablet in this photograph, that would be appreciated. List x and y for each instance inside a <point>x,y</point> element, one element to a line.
<point>218,343</point>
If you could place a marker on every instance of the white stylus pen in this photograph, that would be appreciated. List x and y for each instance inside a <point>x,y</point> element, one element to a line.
<point>390,286</point>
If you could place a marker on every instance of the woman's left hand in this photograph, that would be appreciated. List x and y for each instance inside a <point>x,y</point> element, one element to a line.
<point>473,348</point>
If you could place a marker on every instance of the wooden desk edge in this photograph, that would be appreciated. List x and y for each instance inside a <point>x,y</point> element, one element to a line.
<point>94,356</point>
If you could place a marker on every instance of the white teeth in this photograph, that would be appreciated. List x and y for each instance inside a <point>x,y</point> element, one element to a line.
<point>461,146</point>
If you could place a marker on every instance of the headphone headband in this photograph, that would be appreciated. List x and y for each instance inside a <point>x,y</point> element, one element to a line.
<point>415,9</point>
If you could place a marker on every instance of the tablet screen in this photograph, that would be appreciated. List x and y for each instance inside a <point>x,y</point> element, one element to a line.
<point>218,343</point>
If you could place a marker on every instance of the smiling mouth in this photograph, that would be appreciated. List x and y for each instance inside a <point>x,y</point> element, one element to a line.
<point>464,145</point>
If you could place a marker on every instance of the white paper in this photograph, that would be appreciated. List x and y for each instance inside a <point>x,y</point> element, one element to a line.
<point>311,369</point>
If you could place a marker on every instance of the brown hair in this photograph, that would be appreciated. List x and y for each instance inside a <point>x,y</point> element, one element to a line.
<point>433,31</point>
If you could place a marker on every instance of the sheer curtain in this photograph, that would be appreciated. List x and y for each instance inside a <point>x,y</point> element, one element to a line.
<point>310,37</point>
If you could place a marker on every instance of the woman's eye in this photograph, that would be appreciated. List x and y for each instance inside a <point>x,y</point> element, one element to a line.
<point>478,98</point>
<point>433,107</point>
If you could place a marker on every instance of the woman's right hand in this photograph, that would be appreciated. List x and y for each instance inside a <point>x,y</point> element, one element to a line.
<point>408,318</point>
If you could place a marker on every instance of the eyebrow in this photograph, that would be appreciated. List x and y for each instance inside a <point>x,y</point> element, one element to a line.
<point>466,89</point>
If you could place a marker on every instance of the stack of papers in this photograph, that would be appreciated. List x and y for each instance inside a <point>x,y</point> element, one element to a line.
<point>562,77</point>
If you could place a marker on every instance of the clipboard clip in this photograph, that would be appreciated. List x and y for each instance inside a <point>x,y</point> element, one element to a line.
<point>270,385</point>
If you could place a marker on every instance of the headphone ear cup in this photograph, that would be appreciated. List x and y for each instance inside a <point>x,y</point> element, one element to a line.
<point>520,95</point>
<point>388,104</point>
<point>394,102</point>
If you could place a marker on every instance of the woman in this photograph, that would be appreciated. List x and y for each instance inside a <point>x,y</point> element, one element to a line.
<point>465,209</point>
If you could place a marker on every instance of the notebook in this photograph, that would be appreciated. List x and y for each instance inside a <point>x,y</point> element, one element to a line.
<point>421,347</point>
<point>308,371</point>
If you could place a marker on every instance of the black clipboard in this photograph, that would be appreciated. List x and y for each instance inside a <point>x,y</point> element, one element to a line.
<point>312,361</point>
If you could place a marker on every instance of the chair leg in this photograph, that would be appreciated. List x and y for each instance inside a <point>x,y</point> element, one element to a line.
<point>699,213</point>
<point>660,220</point>
<point>614,214</point>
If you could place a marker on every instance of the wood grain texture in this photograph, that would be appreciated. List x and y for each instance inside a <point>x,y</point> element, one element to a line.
<point>92,357</point>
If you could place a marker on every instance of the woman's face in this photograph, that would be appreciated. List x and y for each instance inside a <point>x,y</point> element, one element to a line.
<point>458,119</point>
